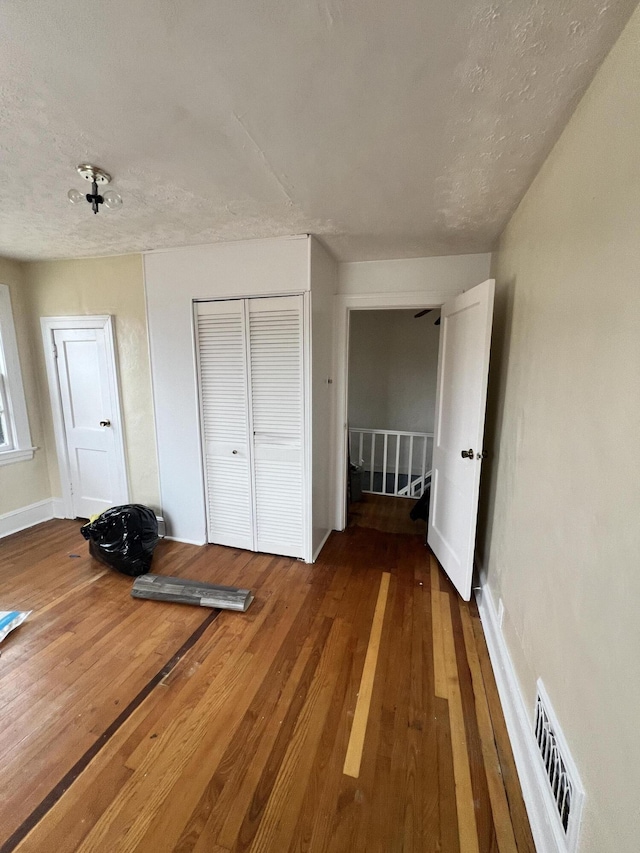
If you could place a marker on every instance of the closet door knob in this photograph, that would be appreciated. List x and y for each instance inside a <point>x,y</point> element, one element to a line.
<point>467,454</point>
<point>234,452</point>
<point>105,423</point>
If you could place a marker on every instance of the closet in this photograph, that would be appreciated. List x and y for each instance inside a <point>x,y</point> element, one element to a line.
<point>251,373</point>
<point>241,340</point>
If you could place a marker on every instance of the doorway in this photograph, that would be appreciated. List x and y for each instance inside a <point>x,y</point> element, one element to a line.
<point>85,401</point>
<point>463,362</point>
<point>392,374</point>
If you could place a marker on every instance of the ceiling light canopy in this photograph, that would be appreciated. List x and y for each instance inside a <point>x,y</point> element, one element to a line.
<point>98,177</point>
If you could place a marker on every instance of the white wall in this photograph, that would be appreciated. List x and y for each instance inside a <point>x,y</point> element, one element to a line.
<point>393,360</point>
<point>560,524</point>
<point>173,280</point>
<point>324,283</point>
<point>448,275</point>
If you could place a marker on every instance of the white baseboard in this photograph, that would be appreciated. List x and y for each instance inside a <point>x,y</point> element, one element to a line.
<point>58,508</point>
<point>321,545</point>
<point>519,725</point>
<point>185,541</point>
<point>26,516</point>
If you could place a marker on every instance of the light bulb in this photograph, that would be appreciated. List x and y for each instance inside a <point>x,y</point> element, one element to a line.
<point>112,200</point>
<point>75,196</point>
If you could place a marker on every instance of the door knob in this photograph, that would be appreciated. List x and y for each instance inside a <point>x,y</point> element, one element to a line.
<point>105,423</point>
<point>467,454</point>
<point>234,452</point>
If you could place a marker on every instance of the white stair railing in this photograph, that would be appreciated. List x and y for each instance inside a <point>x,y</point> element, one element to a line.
<point>394,462</point>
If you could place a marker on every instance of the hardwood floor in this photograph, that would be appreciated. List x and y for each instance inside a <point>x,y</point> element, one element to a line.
<point>132,725</point>
<point>385,513</point>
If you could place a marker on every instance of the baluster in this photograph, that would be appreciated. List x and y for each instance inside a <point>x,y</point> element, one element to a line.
<point>410,471</point>
<point>395,488</point>
<point>384,463</point>
<point>373,450</point>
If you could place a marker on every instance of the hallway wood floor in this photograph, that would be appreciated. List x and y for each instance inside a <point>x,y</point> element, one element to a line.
<point>133,725</point>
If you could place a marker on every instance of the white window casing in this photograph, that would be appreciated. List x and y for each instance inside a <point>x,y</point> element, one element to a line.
<point>6,437</point>
<point>16,446</point>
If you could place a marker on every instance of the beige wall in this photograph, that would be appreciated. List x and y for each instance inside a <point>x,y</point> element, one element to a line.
<point>561,497</point>
<point>103,286</point>
<point>24,483</point>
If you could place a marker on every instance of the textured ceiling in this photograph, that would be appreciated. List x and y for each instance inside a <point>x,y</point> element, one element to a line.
<point>389,129</point>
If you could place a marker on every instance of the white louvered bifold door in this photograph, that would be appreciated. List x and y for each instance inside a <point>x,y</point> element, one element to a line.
<point>277,399</point>
<point>224,402</point>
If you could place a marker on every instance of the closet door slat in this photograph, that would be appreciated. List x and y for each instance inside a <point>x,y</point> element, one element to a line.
<point>221,338</point>
<point>276,369</point>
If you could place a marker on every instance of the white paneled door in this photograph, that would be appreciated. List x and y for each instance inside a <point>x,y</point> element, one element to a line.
<point>463,366</point>
<point>250,355</point>
<point>85,398</point>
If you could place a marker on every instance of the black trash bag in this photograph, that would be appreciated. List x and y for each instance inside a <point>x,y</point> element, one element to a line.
<point>123,538</point>
<point>421,509</point>
<point>355,483</point>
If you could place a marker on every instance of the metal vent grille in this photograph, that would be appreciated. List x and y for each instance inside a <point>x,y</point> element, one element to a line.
<point>561,787</point>
<point>564,785</point>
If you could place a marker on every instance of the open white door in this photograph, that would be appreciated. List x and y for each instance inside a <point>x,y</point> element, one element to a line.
<point>463,366</point>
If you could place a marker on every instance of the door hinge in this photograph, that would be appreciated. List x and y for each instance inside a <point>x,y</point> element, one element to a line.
<point>55,351</point>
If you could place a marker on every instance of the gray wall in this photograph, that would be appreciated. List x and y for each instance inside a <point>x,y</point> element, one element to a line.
<point>392,370</point>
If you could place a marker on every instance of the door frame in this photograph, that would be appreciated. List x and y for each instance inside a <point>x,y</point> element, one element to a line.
<point>432,297</point>
<point>104,322</point>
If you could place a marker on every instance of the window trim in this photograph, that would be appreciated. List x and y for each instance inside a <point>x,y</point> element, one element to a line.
<point>5,414</point>
<point>17,418</point>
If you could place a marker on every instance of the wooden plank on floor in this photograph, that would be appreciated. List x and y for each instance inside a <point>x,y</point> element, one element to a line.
<point>508,772</point>
<point>465,804</point>
<point>449,837</point>
<point>229,790</point>
<point>484,818</point>
<point>282,808</point>
<point>345,807</point>
<point>497,795</point>
<point>166,830</point>
<point>358,729</point>
<point>387,819</point>
<point>439,670</point>
<point>187,737</point>
<point>68,593</point>
<point>315,826</point>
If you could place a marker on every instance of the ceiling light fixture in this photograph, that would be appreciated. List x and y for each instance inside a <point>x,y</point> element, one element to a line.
<point>97,176</point>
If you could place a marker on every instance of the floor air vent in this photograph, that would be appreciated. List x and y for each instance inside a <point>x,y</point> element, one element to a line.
<point>565,793</point>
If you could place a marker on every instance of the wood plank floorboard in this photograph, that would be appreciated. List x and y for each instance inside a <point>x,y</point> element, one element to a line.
<point>133,725</point>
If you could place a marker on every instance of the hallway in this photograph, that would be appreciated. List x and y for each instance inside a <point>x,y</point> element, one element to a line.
<point>142,726</point>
